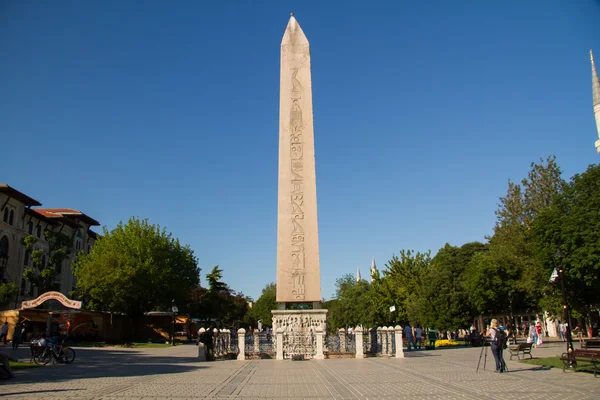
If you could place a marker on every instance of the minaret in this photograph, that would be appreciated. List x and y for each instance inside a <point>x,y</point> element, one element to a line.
<point>596,98</point>
<point>357,274</point>
<point>373,269</point>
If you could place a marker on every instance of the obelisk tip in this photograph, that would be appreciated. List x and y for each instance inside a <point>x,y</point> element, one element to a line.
<point>591,56</point>
<point>292,14</point>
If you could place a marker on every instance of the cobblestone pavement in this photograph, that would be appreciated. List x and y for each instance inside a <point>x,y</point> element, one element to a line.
<point>174,373</point>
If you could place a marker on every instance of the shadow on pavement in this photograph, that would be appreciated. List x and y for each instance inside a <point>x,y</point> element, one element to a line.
<point>107,363</point>
<point>39,391</point>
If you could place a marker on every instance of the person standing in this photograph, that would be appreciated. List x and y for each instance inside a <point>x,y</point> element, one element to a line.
<point>418,336</point>
<point>497,344</point>
<point>16,339</point>
<point>561,334</point>
<point>533,337</point>
<point>409,336</point>
<point>540,333</point>
<point>4,332</point>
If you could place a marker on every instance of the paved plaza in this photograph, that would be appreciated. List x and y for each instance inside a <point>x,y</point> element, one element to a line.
<point>174,373</point>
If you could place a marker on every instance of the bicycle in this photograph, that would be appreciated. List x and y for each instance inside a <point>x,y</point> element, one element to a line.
<point>57,353</point>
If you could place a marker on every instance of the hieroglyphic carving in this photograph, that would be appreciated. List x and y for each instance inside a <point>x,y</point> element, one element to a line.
<point>297,196</point>
<point>297,55</point>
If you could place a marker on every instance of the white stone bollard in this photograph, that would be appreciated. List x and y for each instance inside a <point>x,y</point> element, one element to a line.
<point>279,355</point>
<point>399,344</point>
<point>241,344</point>
<point>379,341</point>
<point>342,340</point>
<point>257,342</point>
<point>358,337</point>
<point>319,335</point>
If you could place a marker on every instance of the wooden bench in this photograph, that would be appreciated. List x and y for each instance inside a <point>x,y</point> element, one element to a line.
<point>516,350</point>
<point>590,356</point>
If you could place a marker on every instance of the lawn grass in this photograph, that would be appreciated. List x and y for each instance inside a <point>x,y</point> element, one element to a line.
<point>16,365</point>
<point>555,362</point>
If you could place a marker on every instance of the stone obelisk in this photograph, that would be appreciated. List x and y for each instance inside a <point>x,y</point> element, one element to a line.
<point>596,98</point>
<point>298,271</point>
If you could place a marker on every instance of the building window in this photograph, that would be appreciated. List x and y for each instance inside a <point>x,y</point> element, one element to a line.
<point>5,218</point>
<point>4,245</point>
<point>23,284</point>
<point>59,268</point>
<point>11,217</point>
<point>89,248</point>
<point>26,261</point>
<point>38,231</point>
<point>30,228</point>
<point>44,261</point>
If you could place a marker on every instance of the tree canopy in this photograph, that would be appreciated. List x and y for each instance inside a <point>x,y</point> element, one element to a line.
<point>261,309</point>
<point>537,216</point>
<point>135,268</point>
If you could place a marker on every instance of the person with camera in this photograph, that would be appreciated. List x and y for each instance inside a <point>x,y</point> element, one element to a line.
<point>498,337</point>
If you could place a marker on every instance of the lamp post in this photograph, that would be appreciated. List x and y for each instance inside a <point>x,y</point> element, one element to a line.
<point>512,319</point>
<point>175,310</point>
<point>560,274</point>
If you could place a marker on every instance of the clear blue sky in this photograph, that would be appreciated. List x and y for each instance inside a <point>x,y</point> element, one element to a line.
<point>169,110</point>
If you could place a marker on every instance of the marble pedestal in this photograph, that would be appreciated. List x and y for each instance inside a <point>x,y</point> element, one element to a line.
<point>299,332</point>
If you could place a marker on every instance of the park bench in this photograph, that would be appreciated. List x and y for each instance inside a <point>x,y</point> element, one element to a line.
<point>521,348</point>
<point>589,356</point>
<point>591,344</point>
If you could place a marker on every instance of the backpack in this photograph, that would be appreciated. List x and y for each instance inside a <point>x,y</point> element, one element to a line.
<point>501,338</point>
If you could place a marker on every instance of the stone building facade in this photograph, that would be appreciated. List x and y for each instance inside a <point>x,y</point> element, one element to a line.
<point>20,216</point>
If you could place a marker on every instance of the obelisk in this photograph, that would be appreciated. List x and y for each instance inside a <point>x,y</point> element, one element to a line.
<point>299,330</point>
<point>298,272</point>
<point>596,98</point>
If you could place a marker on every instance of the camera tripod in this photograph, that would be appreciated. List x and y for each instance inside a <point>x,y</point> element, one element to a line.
<point>486,343</point>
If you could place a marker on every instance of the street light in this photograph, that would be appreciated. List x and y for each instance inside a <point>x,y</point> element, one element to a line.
<point>513,330</point>
<point>560,274</point>
<point>175,310</point>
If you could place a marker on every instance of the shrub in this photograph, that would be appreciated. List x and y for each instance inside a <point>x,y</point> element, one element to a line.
<point>445,343</point>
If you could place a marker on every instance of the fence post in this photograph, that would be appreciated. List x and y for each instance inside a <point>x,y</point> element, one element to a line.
<point>390,333</point>
<point>319,354</point>
<point>279,355</point>
<point>399,344</point>
<point>215,342</point>
<point>227,342</point>
<point>201,348</point>
<point>342,332</point>
<point>358,338</point>
<point>384,340</point>
<point>241,344</point>
<point>256,342</point>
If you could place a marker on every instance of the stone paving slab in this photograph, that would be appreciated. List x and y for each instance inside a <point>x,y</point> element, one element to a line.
<point>174,373</point>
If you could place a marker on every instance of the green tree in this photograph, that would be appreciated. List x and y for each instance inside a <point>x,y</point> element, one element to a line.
<point>442,300</point>
<point>352,304</point>
<point>513,253</point>
<point>8,291</point>
<point>134,268</point>
<point>572,224</point>
<point>40,275</point>
<point>261,310</point>
<point>402,278</point>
